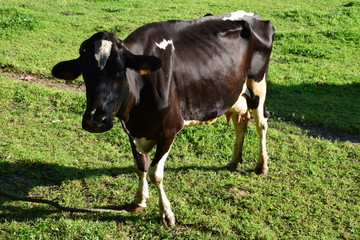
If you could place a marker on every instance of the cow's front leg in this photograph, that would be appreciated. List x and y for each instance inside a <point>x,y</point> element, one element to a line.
<point>142,194</point>
<point>156,174</point>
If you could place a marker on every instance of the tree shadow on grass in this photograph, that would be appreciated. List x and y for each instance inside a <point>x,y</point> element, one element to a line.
<point>324,110</point>
<point>19,179</point>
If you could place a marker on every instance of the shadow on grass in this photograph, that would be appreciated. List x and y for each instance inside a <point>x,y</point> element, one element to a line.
<point>325,110</point>
<point>19,179</point>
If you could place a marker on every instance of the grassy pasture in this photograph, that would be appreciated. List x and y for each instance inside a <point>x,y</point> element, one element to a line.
<point>312,191</point>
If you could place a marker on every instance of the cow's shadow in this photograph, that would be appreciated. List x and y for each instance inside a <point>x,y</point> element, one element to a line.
<point>20,178</point>
<point>326,110</point>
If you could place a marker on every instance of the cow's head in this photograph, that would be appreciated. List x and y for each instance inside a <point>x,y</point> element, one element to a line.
<point>103,62</point>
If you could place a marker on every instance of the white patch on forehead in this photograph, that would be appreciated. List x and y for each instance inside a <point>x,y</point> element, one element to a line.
<point>165,43</point>
<point>238,15</point>
<point>102,52</point>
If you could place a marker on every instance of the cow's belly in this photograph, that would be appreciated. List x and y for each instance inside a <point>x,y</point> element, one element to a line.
<point>239,108</point>
<point>188,123</point>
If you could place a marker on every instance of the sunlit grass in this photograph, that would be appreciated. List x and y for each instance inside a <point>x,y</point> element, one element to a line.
<point>312,188</point>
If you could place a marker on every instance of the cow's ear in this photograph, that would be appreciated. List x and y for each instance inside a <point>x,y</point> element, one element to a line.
<point>68,70</point>
<point>235,29</point>
<point>246,30</point>
<point>142,64</point>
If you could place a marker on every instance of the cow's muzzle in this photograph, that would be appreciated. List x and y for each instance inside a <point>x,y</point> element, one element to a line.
<point>97,121</point>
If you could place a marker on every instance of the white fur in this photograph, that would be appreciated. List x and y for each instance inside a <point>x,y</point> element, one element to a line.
<point>142,194</point>
<point>165,43</point>
<point>102,52</point>
<point>238,15</point>
<point>156,173</point>
<point>143,145</point>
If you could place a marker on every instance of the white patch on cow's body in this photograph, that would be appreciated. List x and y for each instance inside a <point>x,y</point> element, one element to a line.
<point>144,145</point>
<point>238,15</point>
<point>165,43</point>
<point>259,89</point>
<point>102,52</point>
<point>240,107</point>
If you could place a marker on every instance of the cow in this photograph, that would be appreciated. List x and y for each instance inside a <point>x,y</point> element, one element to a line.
<point>169,75</point>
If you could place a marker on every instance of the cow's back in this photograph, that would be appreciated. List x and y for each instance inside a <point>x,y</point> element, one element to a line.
<point>208,62</point>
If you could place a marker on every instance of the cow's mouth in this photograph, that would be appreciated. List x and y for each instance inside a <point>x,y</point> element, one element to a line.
<point>96,129</point>
<point>96,124</point>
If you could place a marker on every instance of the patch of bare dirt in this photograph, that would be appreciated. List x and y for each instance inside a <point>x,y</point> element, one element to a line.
<point>43,80</point>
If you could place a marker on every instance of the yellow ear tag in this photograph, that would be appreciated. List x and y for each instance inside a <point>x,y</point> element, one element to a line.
<point>145,71</point>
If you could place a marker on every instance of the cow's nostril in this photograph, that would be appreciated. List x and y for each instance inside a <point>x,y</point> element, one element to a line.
<point>103,120</point>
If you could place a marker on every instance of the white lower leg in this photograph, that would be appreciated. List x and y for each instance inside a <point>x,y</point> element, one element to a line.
<point>156,174</point>
<point>142,194</point>
<point>166,214</point>
<point>261,126</point>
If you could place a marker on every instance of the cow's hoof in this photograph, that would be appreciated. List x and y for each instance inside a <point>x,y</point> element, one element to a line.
<point>167,218</point>
<point>132,207</point>
<point>262,171</point>
<point>168,221</point>
<point>231,167</point>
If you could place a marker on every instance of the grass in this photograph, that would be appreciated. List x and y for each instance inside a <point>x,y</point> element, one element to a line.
<point>312,191</point>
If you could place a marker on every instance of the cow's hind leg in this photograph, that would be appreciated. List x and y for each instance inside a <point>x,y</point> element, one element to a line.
<point>261,127</point>
<point>156,174</point>
<point>257,100</point>
<point>240,125</point>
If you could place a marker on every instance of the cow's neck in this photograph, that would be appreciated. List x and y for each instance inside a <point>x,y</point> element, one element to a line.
<point>130,96</point>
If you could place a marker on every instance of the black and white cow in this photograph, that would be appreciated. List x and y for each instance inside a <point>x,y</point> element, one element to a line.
<point>169,75</point>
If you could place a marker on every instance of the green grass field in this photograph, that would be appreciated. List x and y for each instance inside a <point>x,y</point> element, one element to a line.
<point>311,192</point>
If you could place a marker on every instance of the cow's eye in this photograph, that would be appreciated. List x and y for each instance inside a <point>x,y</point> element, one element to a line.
<point>119,74</point>
<point>84,51</point>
